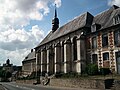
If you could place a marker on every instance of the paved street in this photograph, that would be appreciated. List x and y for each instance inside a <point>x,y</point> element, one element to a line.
<point>15,86</point>
<point>1,87</point>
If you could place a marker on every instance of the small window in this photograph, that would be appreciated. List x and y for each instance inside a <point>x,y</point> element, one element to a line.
<point>116,19</point>
<point>117,38</point>
<point>94,42</point>
<point>104,40</point>
<point>105,56</point>
<point>94,58</point>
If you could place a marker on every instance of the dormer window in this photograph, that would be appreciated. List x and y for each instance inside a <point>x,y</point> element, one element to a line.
<point>116,19</point>
<point>95,27</point>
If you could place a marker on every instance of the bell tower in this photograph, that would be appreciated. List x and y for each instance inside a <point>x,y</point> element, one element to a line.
<point>55,21</point>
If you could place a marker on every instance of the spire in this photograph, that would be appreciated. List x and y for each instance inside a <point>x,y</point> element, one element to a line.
<point>55,11</point>
<point>55,21</point>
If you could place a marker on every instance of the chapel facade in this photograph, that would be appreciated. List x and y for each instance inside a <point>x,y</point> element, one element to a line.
<point>84,40</point>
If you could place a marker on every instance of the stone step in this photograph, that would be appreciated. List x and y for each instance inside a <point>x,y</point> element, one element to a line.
<point>109,83</point>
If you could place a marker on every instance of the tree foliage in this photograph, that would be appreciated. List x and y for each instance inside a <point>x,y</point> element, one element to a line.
<point>5,74</point>
<point>8,74</point>
<point>2,73</point>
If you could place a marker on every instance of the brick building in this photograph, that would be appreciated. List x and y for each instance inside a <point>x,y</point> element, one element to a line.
<point>86,39</point>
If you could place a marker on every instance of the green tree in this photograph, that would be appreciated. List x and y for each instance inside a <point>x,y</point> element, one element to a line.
<point>2,73</point>
<point>8,74</point>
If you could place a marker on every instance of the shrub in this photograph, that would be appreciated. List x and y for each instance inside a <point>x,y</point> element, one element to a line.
<point>67,75</point>
<point>105,71</point>
<point>92,69</point>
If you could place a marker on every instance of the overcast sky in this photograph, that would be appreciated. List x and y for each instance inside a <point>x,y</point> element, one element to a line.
<point>24,23</point>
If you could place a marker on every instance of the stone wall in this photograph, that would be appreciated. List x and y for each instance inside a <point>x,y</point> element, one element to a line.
<point>78,83</point>
<point>26,81</point>
<point>73,83</point>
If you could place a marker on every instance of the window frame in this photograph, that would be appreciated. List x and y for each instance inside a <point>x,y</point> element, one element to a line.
<point>105,40</point>
<point>96,57</point>
<point>94,42</point>
<point>117,38</point>
<point>104,57</point>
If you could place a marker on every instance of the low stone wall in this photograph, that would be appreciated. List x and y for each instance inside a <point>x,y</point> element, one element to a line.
<point>73,83</point>
<point>78,83</point>
<point>26,81</point>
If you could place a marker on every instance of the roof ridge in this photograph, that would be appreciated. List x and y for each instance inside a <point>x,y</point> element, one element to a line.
<point>73,19</point>
<point>114,7</point>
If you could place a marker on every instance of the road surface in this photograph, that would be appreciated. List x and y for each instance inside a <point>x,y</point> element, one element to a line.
<point>15,86</point>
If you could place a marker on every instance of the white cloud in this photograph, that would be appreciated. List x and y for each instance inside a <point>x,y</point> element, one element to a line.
<point>18,13</point>
<point>15,57</point>
<point>12,39</point>
<point>114,2</point>
<point>15,41</point>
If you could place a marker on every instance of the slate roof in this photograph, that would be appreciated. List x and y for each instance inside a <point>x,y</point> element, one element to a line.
<point>105,19</point>
<point>82,21</point>
<point>30,56</point>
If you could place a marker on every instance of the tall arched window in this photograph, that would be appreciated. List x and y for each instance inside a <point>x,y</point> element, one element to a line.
<point>62,52</point>
<point>75,48</point>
